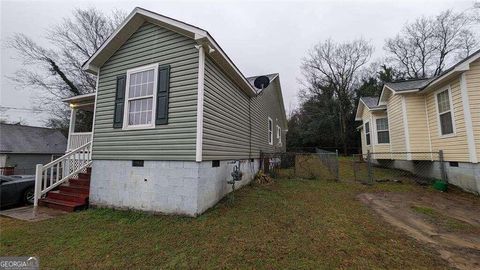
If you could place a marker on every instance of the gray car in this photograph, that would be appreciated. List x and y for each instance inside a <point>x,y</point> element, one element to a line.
<point>16,189</point>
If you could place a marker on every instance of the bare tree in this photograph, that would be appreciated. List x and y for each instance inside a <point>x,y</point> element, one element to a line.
<point>55,70</point>
<point>335,67</point>
<point>424,48</point>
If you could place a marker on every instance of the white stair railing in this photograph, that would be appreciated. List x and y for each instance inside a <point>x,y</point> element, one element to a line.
<point>77,139</point>
<point>53,174</point>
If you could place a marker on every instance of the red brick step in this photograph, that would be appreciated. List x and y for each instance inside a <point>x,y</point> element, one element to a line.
<point>67,196</point>
<point>70,196</point>
<point>62,205</point>
<point>79,182</point>
<point>74,189</point>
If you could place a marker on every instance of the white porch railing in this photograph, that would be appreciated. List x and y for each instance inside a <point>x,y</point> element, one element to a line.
<point>78,139</point>
<point>53,174</point>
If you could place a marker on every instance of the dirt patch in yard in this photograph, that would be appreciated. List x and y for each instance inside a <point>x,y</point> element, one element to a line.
<point>448,222</point>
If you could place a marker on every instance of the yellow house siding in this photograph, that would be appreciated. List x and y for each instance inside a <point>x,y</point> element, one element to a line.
<point>417,124</point>
<point>455,147</point>
<point>473,90</point>
<point>395,122</point>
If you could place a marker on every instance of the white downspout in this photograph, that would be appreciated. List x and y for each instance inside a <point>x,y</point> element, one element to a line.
<point>200,95</point>
<point>405,129</point>
<point>94,110</point>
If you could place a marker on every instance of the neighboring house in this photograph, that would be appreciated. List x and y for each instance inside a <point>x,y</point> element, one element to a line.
<point>173,115</point>
<point>429,115</point>
<point>22,147</point>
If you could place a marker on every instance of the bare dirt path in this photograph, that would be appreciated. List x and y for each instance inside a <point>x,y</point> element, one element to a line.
<point>448,221</point>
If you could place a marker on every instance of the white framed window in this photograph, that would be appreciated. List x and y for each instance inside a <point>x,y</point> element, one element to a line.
<point>270,131</point>
<point>367,133</point>
<point>383,135</point>
<point>279,134</point>
<point>141,97</point>
<point>446,121</point>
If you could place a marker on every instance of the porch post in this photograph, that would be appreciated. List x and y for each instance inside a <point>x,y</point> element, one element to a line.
<point>38,183</point>
<point>71,127</point>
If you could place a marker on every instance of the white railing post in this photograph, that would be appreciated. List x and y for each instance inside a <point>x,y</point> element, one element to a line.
<point>72,163</point>
<point>38,183</point>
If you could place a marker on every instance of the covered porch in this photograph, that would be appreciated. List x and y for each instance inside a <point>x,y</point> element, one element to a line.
<point>81,120</point>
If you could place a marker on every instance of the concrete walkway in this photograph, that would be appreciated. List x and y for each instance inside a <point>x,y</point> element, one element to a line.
<point>29,213</point>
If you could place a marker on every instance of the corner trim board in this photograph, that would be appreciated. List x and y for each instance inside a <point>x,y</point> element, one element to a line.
<point>94,111</point>
<point>405,129</point>
<point>472,150</point>
<point>200,96</point>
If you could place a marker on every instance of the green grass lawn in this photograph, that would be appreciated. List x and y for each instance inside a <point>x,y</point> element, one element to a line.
<point>296,224</point>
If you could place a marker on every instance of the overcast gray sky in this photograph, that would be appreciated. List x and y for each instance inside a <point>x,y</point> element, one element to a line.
<point>260,37</point>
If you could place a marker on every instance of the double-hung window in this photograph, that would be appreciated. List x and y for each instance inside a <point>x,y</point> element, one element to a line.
<point>141,97</point>
<point>367,133</point>
<point>445,116</point>
<point>270,131</point>
<point>383,135</point>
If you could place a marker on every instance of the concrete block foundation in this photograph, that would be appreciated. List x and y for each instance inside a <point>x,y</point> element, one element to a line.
<point>170,187</point>
<point>465,175</point>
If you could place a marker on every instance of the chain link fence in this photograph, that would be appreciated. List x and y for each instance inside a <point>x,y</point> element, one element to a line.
<point>374,167</point>
<point>320,164</point>
<point>421,167</point>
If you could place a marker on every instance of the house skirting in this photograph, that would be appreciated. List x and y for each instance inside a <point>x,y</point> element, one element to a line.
<point>466,175</point>
<point>170,187</point>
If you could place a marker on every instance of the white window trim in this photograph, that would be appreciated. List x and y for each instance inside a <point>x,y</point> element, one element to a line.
<point>377,130</point>
<point>454,133</point>
<point>126,126</point>
<point>270,132</point>
<point>369,132</point>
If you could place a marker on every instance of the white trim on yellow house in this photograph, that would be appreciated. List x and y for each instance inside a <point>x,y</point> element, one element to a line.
<point>452,112</point>
<point>405,129</point>
<point>472,149</point>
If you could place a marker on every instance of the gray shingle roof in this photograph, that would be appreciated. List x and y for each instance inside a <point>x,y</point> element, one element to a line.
<point>371,102</point>
<point>27,139</point>
<point>409,84</point>
<point>252,79</point>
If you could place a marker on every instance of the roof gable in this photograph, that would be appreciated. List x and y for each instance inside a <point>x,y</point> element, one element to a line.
<point>370,103</point>
<point>139,16</point>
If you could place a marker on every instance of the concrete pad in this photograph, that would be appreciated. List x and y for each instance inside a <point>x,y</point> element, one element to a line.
<point>29,213</point>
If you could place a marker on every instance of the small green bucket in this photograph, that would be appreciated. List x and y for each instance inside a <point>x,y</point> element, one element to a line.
<point>440,185</point>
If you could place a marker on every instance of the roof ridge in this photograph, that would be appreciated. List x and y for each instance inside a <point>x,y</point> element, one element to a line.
<point>411,80</point>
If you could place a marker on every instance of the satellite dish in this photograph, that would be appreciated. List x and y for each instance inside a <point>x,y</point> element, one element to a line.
<point>261,82</point>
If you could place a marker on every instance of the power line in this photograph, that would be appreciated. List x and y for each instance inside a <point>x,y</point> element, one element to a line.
<point>21,109</point>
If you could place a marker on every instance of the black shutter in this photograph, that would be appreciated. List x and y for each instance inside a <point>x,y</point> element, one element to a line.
<point>162,95</point>
<point>119,102</point>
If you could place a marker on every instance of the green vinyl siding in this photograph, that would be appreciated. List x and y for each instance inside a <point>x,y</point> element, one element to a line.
<point>226,129</point>
<point>175,141</point>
